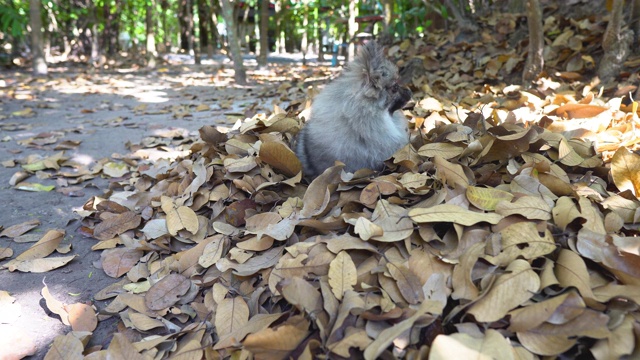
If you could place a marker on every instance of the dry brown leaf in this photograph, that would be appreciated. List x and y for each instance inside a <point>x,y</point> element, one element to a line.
<point>508,291</point>
<point>279,342</point>
<point>342,274</point>
<point>167,291</point>
<point>44,247</point>
<point>444,150</point>
<point>116,262</point>
<point>121,348</point>
<point>280,157</point>
<point>522,240</point>
<point>386,337</point>
<point>116,225</point>
<point>530,207</point>
<point>82,317</point>
<point>55,306</point>
<point>19,229</point>
<point>256,323</point>
<point>182,218</point>
<point>571,271</point>
<point>463,346</point>
<point>231,315</point>
<point>452,213</point>
<point>39,265</point>
<point>408,283</point>
<point>65,347</point>
<point>625,170</point>
<point>253,265</point>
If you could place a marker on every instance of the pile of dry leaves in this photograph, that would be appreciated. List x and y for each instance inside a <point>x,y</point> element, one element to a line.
<point>488,235</point>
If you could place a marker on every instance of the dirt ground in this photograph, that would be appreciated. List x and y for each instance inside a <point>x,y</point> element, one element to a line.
<point>103,111</point>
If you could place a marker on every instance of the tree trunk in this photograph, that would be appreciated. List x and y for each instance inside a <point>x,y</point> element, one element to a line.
<point>635,24</point>
<point>186,25</point>
<point>264,33</point>
<point>386,37</point>
<point>461,20</point>
<point>535,60</point>
<point>151,40</point>
<point>616,45</point>
<point>216,39</point>
<point>351,31</point>
<point>93,35</point>
<point>279,29</point>
<point>39,63</point>
<point>192,35</point>
<point>204,21</point>
<point>164,5</point>
<point>234,45</point>
<point>304,43</point>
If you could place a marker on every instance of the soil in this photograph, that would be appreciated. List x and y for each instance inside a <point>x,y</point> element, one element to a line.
<point>104,112</point>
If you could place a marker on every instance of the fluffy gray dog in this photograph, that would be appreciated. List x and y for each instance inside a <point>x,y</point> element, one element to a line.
<point>355,119</point>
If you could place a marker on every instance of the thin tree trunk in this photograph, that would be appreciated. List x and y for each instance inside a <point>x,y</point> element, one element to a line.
<point>386,37</point>
<point>93,34</point>
<point>192,35</point>
<point>234,45</point>
<point>279,28</point>
<point>616,45</point>
<point>203,26</point>
<point>535,60</point>
<point>635,24</point>
<point>352,30</point>
<point>461,20</point>
<point>151,40</point>
<point>216,38</point>
<point>184,21</point>
<point>39,62</point>
<point>304,43</point>
<point>264,30</point>
<point>164,5</point>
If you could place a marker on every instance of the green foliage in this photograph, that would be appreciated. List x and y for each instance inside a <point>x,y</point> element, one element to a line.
<point>14,18</point>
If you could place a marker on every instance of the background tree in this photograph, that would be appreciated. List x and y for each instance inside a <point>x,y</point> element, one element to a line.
<point>616,44</point>
<point>150,32</point>
<point>35,20</point>
<point>234,45</point>
<point>535,61</point>
<point>264,36</point>
<point>352,29</point>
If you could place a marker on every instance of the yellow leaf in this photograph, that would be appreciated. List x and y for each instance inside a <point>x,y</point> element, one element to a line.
<point>487,198</point>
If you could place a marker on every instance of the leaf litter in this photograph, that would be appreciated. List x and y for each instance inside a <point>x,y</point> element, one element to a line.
<point>506,229</point>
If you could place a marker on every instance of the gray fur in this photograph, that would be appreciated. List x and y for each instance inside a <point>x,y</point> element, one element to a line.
<point>356,118</point>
